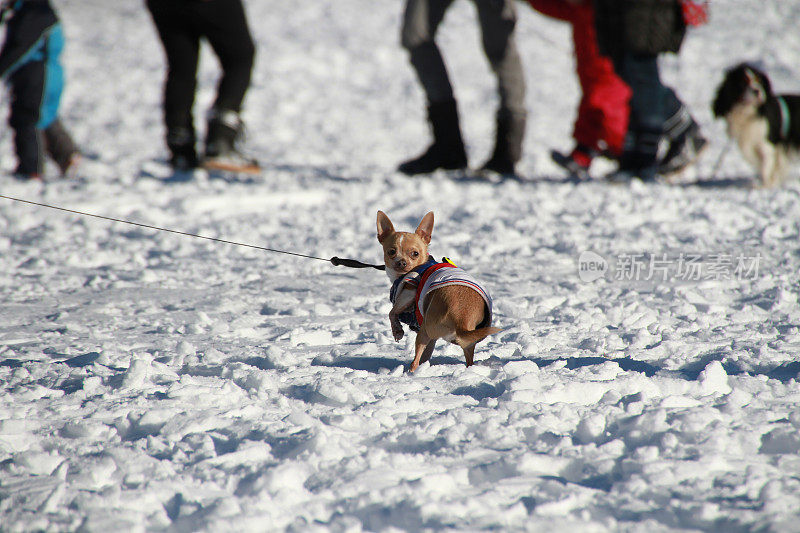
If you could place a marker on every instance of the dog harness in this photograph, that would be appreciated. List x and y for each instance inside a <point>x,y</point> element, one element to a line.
<point>434,275</point>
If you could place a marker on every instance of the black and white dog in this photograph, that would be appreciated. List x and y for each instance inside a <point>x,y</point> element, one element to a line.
<point>766,126</point>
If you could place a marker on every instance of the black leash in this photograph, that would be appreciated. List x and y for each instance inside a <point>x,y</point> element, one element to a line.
<point>335,261</point>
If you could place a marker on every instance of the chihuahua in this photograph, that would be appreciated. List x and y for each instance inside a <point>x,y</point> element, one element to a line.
<point>436,299</point>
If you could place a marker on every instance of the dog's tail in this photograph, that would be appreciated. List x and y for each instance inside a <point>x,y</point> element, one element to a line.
<point>465,339</point>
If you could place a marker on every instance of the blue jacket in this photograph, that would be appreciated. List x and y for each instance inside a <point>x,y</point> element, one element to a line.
<point>34,34</point>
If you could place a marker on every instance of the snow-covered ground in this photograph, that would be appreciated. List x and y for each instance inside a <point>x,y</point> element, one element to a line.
<point>152,381</point>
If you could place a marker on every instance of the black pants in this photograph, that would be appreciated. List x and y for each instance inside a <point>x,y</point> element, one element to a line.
<point>31,142</point>
<point>181,24</point>
<point>497,19</point>
<point>27,87</point>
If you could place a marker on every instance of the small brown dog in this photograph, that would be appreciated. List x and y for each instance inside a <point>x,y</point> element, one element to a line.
<point>436,299</point>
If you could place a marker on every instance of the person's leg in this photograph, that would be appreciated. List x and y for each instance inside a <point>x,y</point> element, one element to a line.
<point>682,132</point>
<point>60,146</point>
<point>420,22</point>
<point>498,19</point>
<point>224,24</point>
<point>662,138</point>
<point>27,86</point>
<point>182,48</point>
<point>648,113</point>
<point>602,119</point>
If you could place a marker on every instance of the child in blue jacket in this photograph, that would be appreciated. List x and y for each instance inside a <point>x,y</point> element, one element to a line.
<point>29,63</point>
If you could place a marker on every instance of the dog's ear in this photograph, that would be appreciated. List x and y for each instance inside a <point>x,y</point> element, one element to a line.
<point>758,86</point>
<point>425,228</point>
<point>385,227</point>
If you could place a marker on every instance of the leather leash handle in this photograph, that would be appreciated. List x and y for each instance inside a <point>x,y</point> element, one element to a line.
<point>352,263</point>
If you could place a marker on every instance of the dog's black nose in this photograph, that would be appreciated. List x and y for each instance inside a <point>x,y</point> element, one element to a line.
<point>401,264</point>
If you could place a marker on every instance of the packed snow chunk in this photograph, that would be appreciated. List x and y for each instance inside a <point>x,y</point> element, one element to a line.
<point>478,370</point>
<point>515,369</point>
<point>248,453</point>
<point>318,337</point>
<point>184,348</point>
<point>441,484</point>
<point>249,378</point>
<point>94,472</point>
<point>678,402</point>
<point>563,506</point>
<point>16,426</point>
<point>285,479</point>
<point>714,380</point>
<point>541,464</point>
<point>794,418</point>
<point>84,430</point>
<point>136,375</point>
<point>150,423</point>
<point>591,428</point>
<point>91,384</point>
<point>38,463</point>
<point>777,498</point>
<point>330,393</point>
<point>212,356</point>
<point>783,440</point>
<point>524,382</point>
<point>639,319</point>
<point>643,428</point>
<point>113,520</point>
<point>35,392</point>
<point>569,392</point>
<point>15,435</point>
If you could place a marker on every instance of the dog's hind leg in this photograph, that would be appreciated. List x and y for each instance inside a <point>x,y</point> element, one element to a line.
<point>469,354</point>
<point>426,354</point>
<point>423,348</point>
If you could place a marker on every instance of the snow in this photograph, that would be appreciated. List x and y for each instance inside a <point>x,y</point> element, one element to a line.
<point>152,381</point>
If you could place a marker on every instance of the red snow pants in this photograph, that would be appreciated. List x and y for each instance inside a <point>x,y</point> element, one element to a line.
<point>602,120</point>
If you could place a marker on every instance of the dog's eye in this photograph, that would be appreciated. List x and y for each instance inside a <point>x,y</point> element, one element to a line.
<point>415,254</point>
<point>392,252</point>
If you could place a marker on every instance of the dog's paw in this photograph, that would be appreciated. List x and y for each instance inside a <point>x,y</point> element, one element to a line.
<point>397,332</point>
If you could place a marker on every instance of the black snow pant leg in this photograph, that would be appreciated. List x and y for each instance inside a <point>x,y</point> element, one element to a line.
<point>498,19</point>
<point>27,92</point>
<point>181,43</point>
<point>224,24</point>
<point>421,20</point>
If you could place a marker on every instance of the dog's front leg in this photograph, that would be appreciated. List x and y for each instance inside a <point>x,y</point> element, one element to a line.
<point>768,164</point>
<point>404,301</point>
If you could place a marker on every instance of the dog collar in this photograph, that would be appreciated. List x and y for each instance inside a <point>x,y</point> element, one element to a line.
<point>785,118</point>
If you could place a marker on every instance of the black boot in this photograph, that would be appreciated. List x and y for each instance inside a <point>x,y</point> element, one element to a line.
<point>508,144</point>
<point>61,148</point>
<point>447,151</point>
<point>224,130</point>
<point>639,158</point>
<point>180,142</point>
<point>686,143</point>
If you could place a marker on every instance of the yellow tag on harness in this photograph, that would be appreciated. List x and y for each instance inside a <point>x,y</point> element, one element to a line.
<point>447,260</point>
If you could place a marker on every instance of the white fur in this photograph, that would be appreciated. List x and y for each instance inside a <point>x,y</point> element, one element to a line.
<point>750,131</point>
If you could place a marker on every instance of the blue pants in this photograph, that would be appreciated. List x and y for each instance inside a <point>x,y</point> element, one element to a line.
<point>653,106</point>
